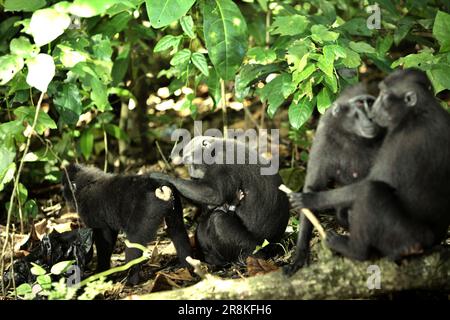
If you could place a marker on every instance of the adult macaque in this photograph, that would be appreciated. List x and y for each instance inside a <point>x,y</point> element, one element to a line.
<point>344,146</point>
<point>403,206</point>
<point>260,211</point>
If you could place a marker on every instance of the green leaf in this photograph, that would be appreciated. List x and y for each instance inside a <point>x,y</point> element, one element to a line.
<point>199,60</point>
<point>356,27</point>
<point>23,5</point>
<point>68,103</point>
<point>321,34</point>
<point>289,25</point>
<point>331,82</point>
<point>326,62</point>
<point>440,78</point>
<point>120,66</point>
<point>37,270</point>
<point>250,74</point>
<point>116,132</point>
<point>213,83</point>
<point>423,60</point>
<point>41,70</point>
<point>61,267</point>
<point>87,143</point>
<point>361,47</point>
<point>168,42</point>
<point>441,30</point>
<point>48,24</point>
<point>323,100</point>
<point>114,25</point>
<point>99,93</point>
<point>402,30</point>
<point>384,44</point>
<point>7,175</point>
<point>90,8</point>
<point>337,50</point>
<point>23,289</point>
<point>300,112</point>
<point>181,57</point>
<point>225,32</point>
<point>31,209</point>
<point>262,55</point>
<point>276,91</point>
<point>263,4</point>
<point>352,60</point>
<point>9,66</point>
<point>45,281</point>
<point>44,122</point>
<point>187,24</point>
<point>22,193</point>
<point>22,47</point>
<point>102,47</point>
<point>298,77</point>
<point>163,12</point>
<point>70,57</point>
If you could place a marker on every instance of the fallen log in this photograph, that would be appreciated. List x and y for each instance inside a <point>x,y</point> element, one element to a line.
<point>331,278</point>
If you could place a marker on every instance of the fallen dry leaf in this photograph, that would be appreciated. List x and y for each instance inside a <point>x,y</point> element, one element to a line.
<point>259,266</point>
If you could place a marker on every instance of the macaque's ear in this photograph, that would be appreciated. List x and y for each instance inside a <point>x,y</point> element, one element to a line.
<point>335,108</point>
<point>410,98</point>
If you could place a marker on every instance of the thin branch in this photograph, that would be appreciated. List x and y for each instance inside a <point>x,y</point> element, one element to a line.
<point>163,157</point>
<point>105,141</point>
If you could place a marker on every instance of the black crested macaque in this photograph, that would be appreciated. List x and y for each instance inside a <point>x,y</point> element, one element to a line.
<point>260,211</point>
<point>344,146</point>
<point>134,204</point>
<point>403,206</point>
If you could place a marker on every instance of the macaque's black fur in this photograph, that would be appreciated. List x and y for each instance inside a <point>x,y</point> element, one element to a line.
<point>225,236</point>
<point>344,146</point>
<point>403,206</point>
<point>110,203</point>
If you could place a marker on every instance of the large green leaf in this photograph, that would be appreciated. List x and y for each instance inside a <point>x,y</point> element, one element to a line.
<point>225,33</point>
<point>163,12</point>
<point>48,24</point>
<point>300,112</point>
<point>41,70</point>
<point>441,30</point>
<point>23,5</point>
